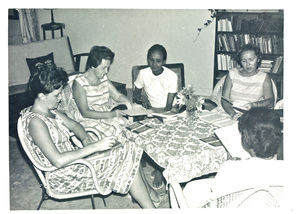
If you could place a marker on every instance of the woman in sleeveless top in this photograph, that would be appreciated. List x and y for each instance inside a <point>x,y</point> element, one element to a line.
<point>247,87</point>
<point>93,93</point>
<point>117,168</point>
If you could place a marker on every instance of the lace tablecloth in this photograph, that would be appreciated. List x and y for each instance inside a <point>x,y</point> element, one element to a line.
<point>176,147</point>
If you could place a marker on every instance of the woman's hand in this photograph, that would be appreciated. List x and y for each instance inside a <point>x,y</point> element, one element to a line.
<point>117,113</point>
<point>129,105</point>
<point>236,115</point>
<point>105,143</point>
<point>248,106</point>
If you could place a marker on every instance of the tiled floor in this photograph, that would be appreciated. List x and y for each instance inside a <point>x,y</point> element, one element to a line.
<point>25,192</point>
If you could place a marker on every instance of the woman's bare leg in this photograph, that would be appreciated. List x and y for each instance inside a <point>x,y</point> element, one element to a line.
<point>153,194</point>
<point>140,192</point>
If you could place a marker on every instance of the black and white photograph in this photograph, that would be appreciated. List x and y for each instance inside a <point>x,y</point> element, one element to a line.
<point>144,107</point>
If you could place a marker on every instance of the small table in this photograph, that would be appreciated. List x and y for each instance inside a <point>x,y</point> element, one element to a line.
<point>53,26</point>
<point>176,147</point>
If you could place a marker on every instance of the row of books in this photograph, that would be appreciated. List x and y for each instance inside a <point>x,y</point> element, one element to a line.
<point>250,24</point>
<point>271,66</point>
<point>268,44</point>
<point>227,62</point>
<point>224,25</point>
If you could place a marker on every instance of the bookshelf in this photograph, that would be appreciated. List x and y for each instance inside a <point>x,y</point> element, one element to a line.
<point>262,28</point>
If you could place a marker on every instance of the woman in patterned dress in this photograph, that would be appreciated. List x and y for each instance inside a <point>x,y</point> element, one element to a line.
<point>247,87</point>
<point>117,168</point>
<point>94,93</point>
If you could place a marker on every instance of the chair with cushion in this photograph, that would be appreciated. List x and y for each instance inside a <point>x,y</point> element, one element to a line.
<point>23,60</point>
<point>258,197</point>
<point>43,171</point>
<point>178,68</point>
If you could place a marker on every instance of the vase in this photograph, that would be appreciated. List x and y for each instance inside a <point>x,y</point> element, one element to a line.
<point>190,117</point>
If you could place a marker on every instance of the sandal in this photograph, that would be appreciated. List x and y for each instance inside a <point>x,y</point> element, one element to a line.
<point>152,175</point>
<point>159,187</point>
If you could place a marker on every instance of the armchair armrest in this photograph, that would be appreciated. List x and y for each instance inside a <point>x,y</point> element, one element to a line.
<point>92,169</point>
<point>80,161</point>
<point>177,198</point>
<point>94,133</point>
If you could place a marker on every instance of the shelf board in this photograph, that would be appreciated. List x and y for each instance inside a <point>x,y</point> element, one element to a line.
<point>234,53</point>
<point>249,12</point>
<point>252,33</point>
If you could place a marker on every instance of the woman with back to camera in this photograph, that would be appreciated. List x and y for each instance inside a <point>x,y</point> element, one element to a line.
<point>247,87</point>
<point>118,168</point>
<point>261,137</point>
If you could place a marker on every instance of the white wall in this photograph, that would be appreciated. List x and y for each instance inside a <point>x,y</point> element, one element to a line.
<point>131,32</point>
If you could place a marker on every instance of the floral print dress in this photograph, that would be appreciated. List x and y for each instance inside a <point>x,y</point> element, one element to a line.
<point>115,168</point>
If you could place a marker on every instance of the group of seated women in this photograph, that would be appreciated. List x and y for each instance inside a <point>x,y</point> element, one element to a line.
<point>119,171</point>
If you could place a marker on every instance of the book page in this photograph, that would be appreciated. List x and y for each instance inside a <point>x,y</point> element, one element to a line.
<point>137,112</point>
<point>231,139</point>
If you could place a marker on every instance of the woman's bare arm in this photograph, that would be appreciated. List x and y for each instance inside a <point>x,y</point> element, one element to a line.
<point>226,91</point>
<point>268,96</point>
<point>170,100</point>
<point>41,136</point>
<point>82,104</point>
<point>76,128</point>
<point>117,96</point>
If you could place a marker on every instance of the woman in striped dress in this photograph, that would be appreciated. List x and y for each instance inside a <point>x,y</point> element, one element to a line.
<point>247,87</point>
<point>94,94</point>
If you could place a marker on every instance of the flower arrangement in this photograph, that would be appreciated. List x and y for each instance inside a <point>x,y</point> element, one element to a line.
<point>187,98</point>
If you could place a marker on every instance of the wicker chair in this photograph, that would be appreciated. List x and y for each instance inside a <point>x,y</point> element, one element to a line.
<point>250,197</point>
<point>41,170</point>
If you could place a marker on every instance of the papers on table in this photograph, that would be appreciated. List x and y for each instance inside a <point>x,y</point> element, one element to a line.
<point>218,118</point>
<point>137,112</point>
<point>138,127</point>
<point>212,140</point>
<point>231,139</point>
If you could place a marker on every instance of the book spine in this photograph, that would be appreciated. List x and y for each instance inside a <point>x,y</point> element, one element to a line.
<point>277,64</point>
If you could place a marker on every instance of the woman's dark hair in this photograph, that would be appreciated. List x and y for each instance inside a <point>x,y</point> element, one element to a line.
<point>97,53</point>
<point>48,79</point>
<point>160,48</point>
<point>249,47</point>
<point>261,131</point>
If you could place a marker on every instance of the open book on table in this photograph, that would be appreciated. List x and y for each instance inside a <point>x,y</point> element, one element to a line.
<point>136,111</point>
<point>169,115</point>
<point>138,127</point>
<point>238,108</point>
<point>212,140</point>
<point>231,140</point>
